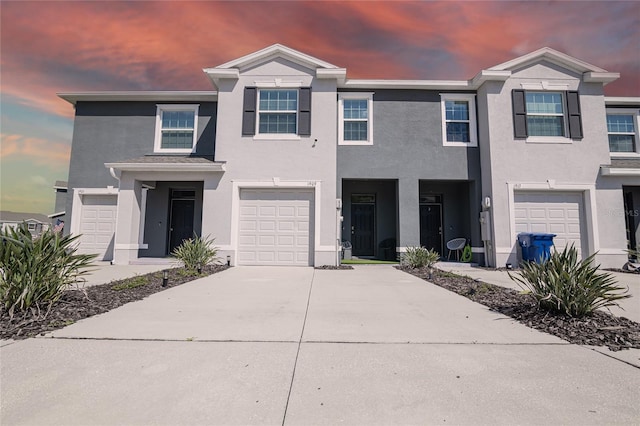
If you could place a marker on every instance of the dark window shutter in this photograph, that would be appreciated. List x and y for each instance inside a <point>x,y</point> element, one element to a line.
<point>304,111</point>
<point>519,114</point>
<point>575,118</point>
<point>249,112</point>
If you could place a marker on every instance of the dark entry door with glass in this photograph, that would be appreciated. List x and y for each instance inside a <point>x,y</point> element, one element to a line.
<point>181,217</point>
<point>431,222</point>
<point>363,211</point>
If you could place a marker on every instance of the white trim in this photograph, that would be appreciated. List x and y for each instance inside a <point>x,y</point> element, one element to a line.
<point>623,155</point>
<point>548,139</point>
<point>132,95</point>
<point>622,100</point>
<point>160,108</point>
<point>275,183</point>
<point>635,113</point>
<point>130,246</point>
<point>470,98</point>
<point>275,50</point>
<point>551,55</point>
<point>544,86</point>
<point>589,201</point>
<point>618,171</point>
<point>56,214</point>
<point>275,83</point>
<point>368,96</point>
<point>272,136</point>
<point>276,136</point>
<point>168,167</point>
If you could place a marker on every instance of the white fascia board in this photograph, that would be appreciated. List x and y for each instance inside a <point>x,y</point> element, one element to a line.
<point>339,74</point>
<point>406,84</point>
<point>551,55</point>
<point>489,75</point>
<point>167,167</point>
<point>175,96</point>
<point>601,77</point>
<point>51,216</point>
<point>617,171</point>
<point>620,100</point>
<point>216,73</point>
<point>59,187</point>
<point>277,50</point>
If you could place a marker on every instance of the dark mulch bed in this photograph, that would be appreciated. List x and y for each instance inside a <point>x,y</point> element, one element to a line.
<point>336,268</point>
<point>598,329</point>
<point>75,305</point>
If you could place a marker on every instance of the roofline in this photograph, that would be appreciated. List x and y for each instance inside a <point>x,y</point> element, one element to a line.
<point>52,215</point>
<point>550,54</point>
<point>167,167</point>
<point>274,49</point>
<point>139,95</point>
<point>622,100</point>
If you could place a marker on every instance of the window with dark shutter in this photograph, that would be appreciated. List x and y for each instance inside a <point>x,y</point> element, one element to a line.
<point>249,112</point>
<point>519,114</point>
<point>304,112</point>
<point>575,118</point>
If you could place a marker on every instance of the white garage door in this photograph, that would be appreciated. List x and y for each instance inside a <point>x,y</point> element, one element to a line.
<point>275,227</point>
<point>98,225</point>
<point>560,213</point>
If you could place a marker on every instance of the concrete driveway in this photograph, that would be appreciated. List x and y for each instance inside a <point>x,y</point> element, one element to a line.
<point>299,346</point>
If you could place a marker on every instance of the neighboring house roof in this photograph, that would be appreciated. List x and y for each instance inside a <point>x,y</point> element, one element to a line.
<point>168,163</point>
<point>7,216</point>
<point>56,214</point>
<point>60,184</point>
<point>137,95</point>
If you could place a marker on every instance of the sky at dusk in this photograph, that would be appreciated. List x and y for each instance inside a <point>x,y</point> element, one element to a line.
<point>51,47</point>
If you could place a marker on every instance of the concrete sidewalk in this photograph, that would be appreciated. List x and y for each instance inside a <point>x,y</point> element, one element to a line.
<point>301,346</point>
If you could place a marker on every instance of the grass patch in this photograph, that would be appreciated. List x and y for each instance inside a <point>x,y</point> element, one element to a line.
<point>131,283</point>
<point>369,262</point>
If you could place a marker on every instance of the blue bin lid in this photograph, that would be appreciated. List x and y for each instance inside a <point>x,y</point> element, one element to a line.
<point>541,236</point>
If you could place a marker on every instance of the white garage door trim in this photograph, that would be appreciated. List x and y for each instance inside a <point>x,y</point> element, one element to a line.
<point>275,227</point>
<point>79,195</point>
<point>591,240</point>
<point>314,186</point>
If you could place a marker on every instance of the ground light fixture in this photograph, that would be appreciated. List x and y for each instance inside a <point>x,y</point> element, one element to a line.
<point>199,268</point>
<point>228,260</point>
<point>165,278</point>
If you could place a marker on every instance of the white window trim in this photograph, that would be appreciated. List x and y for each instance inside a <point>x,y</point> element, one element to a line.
<point>636,114</point>
<point>471,101</point>
<point>276,136</point>
<point>368,96</point>
<point>158,137</point>
<point>566,139</point>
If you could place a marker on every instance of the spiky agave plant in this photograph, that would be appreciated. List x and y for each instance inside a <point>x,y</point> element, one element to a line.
<point>35,271</point>
<point>420,257</point>
<point>568,285</point>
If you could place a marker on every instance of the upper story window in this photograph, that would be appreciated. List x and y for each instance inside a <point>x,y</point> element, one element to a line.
<point>546,116</point>
<point>355,125</point>
<point>278,111</point>
<point>176,128</point>
<point>459,119</point>
<point>622,131</point>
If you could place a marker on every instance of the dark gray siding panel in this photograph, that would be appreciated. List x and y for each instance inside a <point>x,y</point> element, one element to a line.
<point>407,142</point>
<point>116,131</point>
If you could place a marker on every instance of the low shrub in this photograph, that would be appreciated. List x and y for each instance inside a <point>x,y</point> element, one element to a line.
<point>196,251</point>
<point>137,281</point>
<point>35,272</point>
<point>570,286</point>
<point>420,257</point>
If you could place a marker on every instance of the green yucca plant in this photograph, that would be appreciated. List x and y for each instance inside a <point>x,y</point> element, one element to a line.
<point>35,271</point>
<point>420,257</point>
<point>570,286</point>
<point>196,252</point>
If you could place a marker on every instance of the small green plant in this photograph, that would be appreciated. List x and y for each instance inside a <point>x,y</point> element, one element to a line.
<point>570,286</point>
<point>420,257</point>
<point>137,281</point>
<point>35,271</point>
<point>196,252</point>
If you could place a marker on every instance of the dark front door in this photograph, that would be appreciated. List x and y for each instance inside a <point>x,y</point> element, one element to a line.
<point>181,227</point>
<point>431,226</point>
<point>362,229</point>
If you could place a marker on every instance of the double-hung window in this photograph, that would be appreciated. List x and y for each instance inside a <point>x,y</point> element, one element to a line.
<point>176,128</point>
<point>355,111</point>
<point>278,111</point>
<point>547,116</point>
<point>622,132</point>
<point>459,119</point>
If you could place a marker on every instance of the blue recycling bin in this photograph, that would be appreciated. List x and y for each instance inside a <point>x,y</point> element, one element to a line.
<point>536,246</point>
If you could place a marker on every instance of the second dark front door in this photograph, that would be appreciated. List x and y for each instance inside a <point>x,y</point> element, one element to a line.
<point>431,226</point>
<point>181,225</point>
<point>362,229</point>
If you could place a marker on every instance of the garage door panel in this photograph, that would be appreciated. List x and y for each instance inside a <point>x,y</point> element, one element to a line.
<point>551,212</point>
<point>281,232</point>
<point>97,225</point>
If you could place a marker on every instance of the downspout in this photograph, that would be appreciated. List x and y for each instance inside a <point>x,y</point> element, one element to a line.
<point>112,172</point>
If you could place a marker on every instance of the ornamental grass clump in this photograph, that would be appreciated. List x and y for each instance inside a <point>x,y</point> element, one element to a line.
<point>569,286</point>
<point>196,252</point>
<point>420,257</point>
<point>35,271</point>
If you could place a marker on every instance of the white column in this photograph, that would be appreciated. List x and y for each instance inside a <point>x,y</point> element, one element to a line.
<point>128,220</point>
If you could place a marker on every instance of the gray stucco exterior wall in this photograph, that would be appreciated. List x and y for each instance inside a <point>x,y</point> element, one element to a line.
<point>118,131</point>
